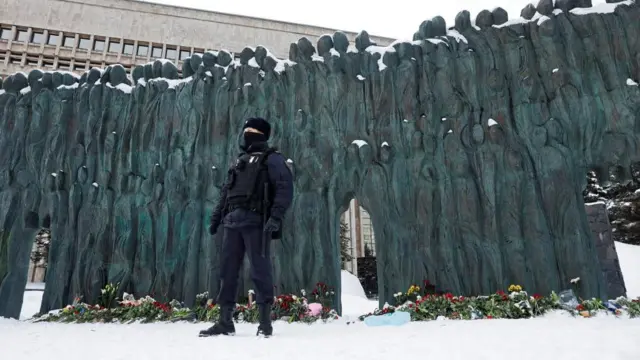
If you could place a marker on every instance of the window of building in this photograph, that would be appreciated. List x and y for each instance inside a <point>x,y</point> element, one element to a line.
<point>95,65</point>
<point>127,49</point>
<point>64,64</point>
<point>171,54</point>
<point>114,46</point>
<point>22,36</point>
<point>84,43</point>
<point>53,39</point>
<point>47,64</point>
<point>32,61</point>
<point>5,34</point>
<point>69,41</point>
<point>184,54</point>
<point>156,52</point>
<point>368,237</point>
<point>15,58</point>
<point>98,45</point>
<point>198,52</point>
<point>37,37</point>
<point>78,66</point>
<point>143,50</point>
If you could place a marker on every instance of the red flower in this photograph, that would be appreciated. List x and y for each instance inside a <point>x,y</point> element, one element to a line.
<point>449,296</point>
<point>461,298</point>
<point>489,317</point>
<point>500,292</point>
<point>426,283</point>
<point>410,306</point>
<point>579,307</point>
<point>537,296</point>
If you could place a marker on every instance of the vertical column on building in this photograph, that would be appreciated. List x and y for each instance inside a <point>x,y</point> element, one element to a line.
<point>45,36</point>
<point>23,59</point>
<point>354,236</point>
<point>9,45</point>
<point>105,50</point>
<point>92,39</point>
<point>358,226</point>
<point>56,53</point>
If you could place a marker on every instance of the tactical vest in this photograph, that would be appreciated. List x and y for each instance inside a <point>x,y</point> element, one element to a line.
<point>249,185</point>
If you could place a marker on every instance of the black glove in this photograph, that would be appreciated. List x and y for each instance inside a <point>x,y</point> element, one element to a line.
<point>213,228</point>
<point>272,225</point>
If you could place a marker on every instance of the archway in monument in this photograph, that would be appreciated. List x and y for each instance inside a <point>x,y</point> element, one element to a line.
<point>38,263</point>
<point>358,248</point>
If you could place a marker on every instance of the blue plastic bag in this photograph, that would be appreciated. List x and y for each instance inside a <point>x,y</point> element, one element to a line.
<point>397,318</point>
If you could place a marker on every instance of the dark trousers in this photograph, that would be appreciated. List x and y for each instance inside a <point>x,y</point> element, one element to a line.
<point>236,242</point>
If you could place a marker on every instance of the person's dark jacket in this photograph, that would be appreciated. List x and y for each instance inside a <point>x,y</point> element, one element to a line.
<point>281,179</point>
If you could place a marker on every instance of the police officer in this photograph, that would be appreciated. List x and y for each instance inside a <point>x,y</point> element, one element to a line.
<point>253,202</point>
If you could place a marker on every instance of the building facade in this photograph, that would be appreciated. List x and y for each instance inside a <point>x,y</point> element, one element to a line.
<point>74,35</point>
<point>77,35</point>
<point>363,241</point>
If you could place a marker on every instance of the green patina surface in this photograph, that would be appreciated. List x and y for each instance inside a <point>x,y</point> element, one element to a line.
<point>469,153</point>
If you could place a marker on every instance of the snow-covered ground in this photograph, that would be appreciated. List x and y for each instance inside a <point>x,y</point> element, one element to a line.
<point>629,256</point>
<point>555,336</point>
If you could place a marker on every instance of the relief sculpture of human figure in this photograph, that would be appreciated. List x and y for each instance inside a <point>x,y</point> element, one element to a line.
<point>252,205</point>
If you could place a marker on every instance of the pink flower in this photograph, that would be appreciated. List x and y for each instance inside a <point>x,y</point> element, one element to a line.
<point>314,309</point>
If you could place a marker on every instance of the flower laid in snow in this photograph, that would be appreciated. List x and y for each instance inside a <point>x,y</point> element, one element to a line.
<point>515,288</point>
<point>413,289</point>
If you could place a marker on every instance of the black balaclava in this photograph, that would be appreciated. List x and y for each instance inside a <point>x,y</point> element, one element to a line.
<point>251,140</point>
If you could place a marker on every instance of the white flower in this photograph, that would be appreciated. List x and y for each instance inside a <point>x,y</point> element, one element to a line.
<point>294,297</point>
<point>251,292</point>
<point>103,291</point>
<point>575,281</point>
<point>303,292</point>
<point>419,298</point>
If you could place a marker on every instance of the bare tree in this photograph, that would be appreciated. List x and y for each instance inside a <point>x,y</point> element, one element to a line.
<point>345,242</point>
<point>40,253</point>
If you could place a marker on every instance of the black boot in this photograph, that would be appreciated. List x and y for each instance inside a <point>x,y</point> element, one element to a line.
<point>224,326</point>
<point>265,327</point>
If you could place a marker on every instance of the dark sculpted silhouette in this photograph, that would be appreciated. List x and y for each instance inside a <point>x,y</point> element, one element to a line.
<point>468,146</point>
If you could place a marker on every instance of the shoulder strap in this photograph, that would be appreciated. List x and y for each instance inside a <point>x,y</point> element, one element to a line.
<point>263,157</point>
